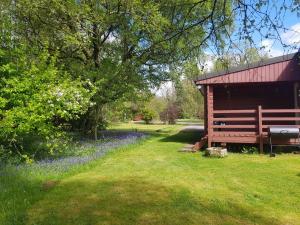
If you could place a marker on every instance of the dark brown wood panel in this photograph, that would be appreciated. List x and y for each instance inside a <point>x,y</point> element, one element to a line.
<point>241,97</point>
<point>210,103</point>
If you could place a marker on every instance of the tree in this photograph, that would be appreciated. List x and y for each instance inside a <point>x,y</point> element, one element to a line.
<point>222,63</point>
<point>157,104</point>
<point>170,114</point>
<point>189,100</point>
<point>250,55</point>
<point>148,115</point>
<point>123,47</point>
<point>36,99</point>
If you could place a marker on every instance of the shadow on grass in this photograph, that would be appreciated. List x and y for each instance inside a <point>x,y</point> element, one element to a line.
<point>188,136</point>
<point>17,193</point>
<point>134,200</point>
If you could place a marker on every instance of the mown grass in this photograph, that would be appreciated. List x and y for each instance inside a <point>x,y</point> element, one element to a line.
<point>187,121</point>
<point>153,183</point>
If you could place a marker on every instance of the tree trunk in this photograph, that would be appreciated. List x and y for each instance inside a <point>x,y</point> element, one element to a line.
<point>96,132</point>
<point>98,117</point>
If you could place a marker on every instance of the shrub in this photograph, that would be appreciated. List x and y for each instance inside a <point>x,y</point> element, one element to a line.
<point>148,115</point>
<point>249,150</point>
<point>170,114</point>
<point>36,98</point>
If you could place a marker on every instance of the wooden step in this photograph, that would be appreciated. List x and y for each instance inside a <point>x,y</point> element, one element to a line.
<point>198,145</point>
<point>188,148</point>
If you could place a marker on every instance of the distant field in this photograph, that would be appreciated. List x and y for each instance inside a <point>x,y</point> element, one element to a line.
<point>152,183</point>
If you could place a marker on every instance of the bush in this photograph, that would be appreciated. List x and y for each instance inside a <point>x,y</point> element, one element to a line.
<point>249,150</point>
<point>36,98</point>
<point>170,114</point>
<point>148,115</point>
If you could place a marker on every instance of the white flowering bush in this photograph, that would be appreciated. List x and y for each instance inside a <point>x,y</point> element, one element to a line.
<point>36,98</point>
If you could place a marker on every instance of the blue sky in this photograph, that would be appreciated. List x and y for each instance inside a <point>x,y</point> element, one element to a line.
<point>290,37</point>
<point>271,47</point>
<point>289,20</point>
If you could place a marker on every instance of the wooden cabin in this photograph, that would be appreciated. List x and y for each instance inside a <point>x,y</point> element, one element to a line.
<point>243,102</point>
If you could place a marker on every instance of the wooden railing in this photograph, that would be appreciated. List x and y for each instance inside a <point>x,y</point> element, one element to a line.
<point>250,122</point>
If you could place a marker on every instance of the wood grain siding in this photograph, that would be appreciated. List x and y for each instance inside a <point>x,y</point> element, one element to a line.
<point>205,110</point>
<point>242,96</point>
<point>210,103</point>
<point>242,103</point>
<point>281,71</point>
<point>256,133</point>
<point>260,129</point>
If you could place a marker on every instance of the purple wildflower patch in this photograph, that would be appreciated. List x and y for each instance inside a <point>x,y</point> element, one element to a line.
<point>108,141</point>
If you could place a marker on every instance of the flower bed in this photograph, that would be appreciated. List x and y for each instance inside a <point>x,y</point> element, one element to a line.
<point>86,151</point>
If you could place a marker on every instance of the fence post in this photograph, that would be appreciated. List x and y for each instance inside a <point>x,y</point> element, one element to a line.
<point>209,102</point>
<point>260,130</point>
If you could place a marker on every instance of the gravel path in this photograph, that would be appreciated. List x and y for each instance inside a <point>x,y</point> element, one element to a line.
<point>199,128</point>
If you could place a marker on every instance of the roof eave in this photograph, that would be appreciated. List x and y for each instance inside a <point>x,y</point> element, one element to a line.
<point>246,67</point>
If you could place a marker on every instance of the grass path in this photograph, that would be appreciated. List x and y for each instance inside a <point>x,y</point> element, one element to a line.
<point>152,183</point>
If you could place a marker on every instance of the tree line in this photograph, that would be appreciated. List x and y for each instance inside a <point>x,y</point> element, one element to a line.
<point>66,64</point>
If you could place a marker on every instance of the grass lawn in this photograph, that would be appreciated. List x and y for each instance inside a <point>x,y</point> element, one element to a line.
<point>189,121</point>
<point>153,183</point>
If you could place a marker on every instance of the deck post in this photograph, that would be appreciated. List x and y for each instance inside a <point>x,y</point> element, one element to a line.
<point>205,110</point>
<point>209,103</point>
<point>260,130</point>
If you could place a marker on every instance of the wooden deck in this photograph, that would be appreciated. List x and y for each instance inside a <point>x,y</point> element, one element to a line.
<point>241,103</point>
<point>249,125</point>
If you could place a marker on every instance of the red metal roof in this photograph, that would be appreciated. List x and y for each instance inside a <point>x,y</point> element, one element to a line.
<point>283,68</point>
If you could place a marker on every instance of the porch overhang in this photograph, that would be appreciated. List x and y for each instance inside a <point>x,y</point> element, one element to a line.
<point>282,68</point>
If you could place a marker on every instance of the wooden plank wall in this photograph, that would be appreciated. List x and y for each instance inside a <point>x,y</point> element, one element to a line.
<point>210,103</point>
<point>205,110</point>
<point>249,96</point>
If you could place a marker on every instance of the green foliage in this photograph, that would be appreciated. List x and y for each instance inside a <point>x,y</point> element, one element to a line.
<point>222,64</point>
<point>157,104</point>
<point>148,115</point>
<point>36,99</point>
<point>250,55</point>
<point>122,47</point>
<point>115,49</point>
<point>249,150</point>
<point>189,99</point>
<point>126,108</point>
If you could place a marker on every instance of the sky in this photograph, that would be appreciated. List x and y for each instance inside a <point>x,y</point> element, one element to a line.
<point>290,37</point>
<point>272,47</point>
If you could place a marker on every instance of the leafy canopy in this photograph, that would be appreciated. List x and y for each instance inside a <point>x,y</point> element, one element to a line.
<point>35,98</point>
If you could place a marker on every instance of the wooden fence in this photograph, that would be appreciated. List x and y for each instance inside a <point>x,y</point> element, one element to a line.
<point>249,125</point>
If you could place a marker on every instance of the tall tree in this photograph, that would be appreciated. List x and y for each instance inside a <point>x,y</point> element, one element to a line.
<point>125,47</point>
<point>188,97</point>
<point>250,55</point>
<point>121,46</point>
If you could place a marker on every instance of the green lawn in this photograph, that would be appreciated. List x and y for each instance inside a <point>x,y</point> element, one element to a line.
<point>153,183</point>
<point>187,121</point>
